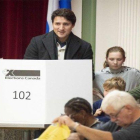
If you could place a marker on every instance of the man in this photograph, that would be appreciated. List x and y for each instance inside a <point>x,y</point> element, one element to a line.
<point>122,109</point>
<point>60,43</point>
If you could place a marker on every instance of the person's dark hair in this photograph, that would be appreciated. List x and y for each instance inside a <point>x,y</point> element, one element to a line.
<point>77,104</point>
<point>66,13</point>
<point>114,49</point>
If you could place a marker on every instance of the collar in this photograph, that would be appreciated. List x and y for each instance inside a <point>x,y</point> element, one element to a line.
<point>96,121</point>
<point>63,43</point>
<point>111,71</point>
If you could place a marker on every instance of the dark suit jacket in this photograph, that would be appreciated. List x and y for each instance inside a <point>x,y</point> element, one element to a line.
<point>44,47</point>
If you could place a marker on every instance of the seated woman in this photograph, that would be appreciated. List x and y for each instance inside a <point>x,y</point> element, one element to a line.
<point>79,110</point>
<point>113,67</point>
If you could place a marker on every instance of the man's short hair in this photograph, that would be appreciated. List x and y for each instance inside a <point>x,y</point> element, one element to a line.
<point>66,13</point>
<point>114,83</point>
<point>77,104</point>
<point>117,99</point>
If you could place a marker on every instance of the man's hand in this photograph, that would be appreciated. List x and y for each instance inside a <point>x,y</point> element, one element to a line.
<point>65,120</point>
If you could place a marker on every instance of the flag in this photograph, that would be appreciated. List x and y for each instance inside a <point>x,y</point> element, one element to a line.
<point>52,6</point>
<point>65,4</point>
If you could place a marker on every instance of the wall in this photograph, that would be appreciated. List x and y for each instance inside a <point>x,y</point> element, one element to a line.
<point>89,22</point>
<point>118,23</point>
<point>77,8</point>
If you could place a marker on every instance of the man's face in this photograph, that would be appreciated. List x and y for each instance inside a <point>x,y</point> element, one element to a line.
<point>62,28</point>
<point>121,117</point>
<point>75,116</point>
<point>115,60</point>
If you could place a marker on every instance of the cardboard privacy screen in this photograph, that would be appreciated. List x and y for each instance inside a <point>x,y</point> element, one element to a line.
<point>34,92</point>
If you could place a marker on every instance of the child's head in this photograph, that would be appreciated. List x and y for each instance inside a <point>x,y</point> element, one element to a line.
<point>115,83</point>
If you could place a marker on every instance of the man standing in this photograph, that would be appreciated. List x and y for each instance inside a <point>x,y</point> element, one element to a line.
<point>122,109</point>
<point>60,43</point>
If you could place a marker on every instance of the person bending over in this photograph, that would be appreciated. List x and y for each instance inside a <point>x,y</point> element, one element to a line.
<point>122,109</point>
<point>113,67</point>
<point>79,110</point>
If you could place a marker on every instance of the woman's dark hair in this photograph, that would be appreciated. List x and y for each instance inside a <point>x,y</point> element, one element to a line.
<point>114,49</point>
<point>77,104</point>
<point>66,13</point>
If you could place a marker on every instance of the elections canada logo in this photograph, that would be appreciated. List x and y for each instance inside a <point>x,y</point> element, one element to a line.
<point>22,74</point>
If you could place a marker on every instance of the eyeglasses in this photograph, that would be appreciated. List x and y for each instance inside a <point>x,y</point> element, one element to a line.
<point>116,115</point>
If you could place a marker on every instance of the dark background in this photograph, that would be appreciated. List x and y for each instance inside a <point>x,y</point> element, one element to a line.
<point>20,20</point>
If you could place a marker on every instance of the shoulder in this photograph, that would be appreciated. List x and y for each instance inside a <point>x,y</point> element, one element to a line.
<point>102,71</point>
<point>96,105</point>
<point>109,126</point>
<point>102,75</point>
<point>81,41</point>
<point>97,125</point>
<point>40,37</point>
<point>98,102</point>
<point>133,130</point>
<point>137,121</point>
<point>130,69</point>
<point>134,126</point>
<point>135,70</point>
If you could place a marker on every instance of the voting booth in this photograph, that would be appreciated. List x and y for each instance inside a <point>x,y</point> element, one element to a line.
<point>34,92</point>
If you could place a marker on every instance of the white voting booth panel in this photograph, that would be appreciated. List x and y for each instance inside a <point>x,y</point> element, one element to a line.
<point>34,92</point>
